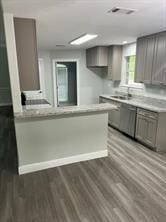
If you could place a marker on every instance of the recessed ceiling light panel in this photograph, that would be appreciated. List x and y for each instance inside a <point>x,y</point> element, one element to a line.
<point>124,42</point>
<point>82,39</point>
<point>124,11</point>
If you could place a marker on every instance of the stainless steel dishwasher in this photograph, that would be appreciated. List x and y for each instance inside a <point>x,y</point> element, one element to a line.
<point>128,119</point>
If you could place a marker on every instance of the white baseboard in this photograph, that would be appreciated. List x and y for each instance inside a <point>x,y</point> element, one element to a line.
<point>60,162</point>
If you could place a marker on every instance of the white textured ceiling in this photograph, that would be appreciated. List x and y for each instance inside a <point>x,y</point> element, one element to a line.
<point>60,21</point>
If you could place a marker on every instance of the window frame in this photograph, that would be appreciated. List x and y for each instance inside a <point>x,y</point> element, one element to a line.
<point>124,76</point>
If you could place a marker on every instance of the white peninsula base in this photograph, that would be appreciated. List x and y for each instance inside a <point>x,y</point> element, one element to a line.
<point>49,141</point>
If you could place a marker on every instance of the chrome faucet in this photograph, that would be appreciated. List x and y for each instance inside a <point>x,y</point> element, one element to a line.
<point>129,95</point>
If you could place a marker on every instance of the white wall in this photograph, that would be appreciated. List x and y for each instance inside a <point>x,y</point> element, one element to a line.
<point>90,83</point>
<point>47,75</point>
<point>12,62</point>
<point>40,141</point>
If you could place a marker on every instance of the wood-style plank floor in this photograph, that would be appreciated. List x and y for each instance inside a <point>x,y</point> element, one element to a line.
<point>128,186</point>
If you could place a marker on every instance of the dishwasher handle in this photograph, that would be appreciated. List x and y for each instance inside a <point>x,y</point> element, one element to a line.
<point>132,109</point>
<point>129,107</point>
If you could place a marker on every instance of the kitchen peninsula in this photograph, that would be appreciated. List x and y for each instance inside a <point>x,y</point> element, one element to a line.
<point>57,136</point>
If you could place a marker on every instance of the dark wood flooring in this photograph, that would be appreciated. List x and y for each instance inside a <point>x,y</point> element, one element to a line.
<point>8,148</point>
<point>128,186</point>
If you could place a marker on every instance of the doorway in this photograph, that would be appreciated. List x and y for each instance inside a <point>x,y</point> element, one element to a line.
<point>66,83</point>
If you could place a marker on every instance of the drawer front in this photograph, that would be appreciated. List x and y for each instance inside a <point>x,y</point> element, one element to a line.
<point>147,113</point>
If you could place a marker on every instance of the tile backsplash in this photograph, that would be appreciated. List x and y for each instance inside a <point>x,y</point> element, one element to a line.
<point>158,92</point>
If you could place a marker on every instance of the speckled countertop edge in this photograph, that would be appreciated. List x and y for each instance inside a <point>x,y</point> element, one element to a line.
<point>138,104</point>
<point>62,111</point>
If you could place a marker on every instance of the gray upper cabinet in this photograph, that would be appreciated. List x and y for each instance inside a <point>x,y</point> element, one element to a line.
<point>26,44</point>
<point>150,47</point>
<point>115,62</point>
<point>97,56</point>
<point>159,64</point>
<point>150,59</point>
<point>140,60</point>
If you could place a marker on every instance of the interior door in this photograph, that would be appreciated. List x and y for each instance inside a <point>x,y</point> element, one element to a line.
<point>62,84</point>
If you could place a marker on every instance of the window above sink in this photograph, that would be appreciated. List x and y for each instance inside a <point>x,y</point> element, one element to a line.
<point>128,67</point>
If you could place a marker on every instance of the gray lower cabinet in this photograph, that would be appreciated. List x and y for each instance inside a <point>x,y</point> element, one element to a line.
<point>113,115</point>
<point>146,129</point>
<point>149,127</point>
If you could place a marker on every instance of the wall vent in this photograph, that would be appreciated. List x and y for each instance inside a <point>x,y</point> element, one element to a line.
<point>124,11</point>
<point>60,45</point>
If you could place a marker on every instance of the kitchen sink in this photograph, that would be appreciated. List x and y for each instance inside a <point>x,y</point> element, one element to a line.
<point>120,97</point>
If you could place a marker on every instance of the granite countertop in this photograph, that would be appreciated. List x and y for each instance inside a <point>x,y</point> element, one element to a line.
<point>148,103</point>
<point>60,111</point>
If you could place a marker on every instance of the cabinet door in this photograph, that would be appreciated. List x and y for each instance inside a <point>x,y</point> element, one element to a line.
<point>91,57</point>
<point>26,43</point>
<point>115,62</point>
<point>146,129</point>
<point>141,127</point>
<point>111,117</point>
<point>159,63</point>
<point>150,134</point>
<point>114,117</point>
<point>140,59</point>
<point>97,56</point>
<point>110,55</point>
<point>102,56</point>
<point>149,59</point>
